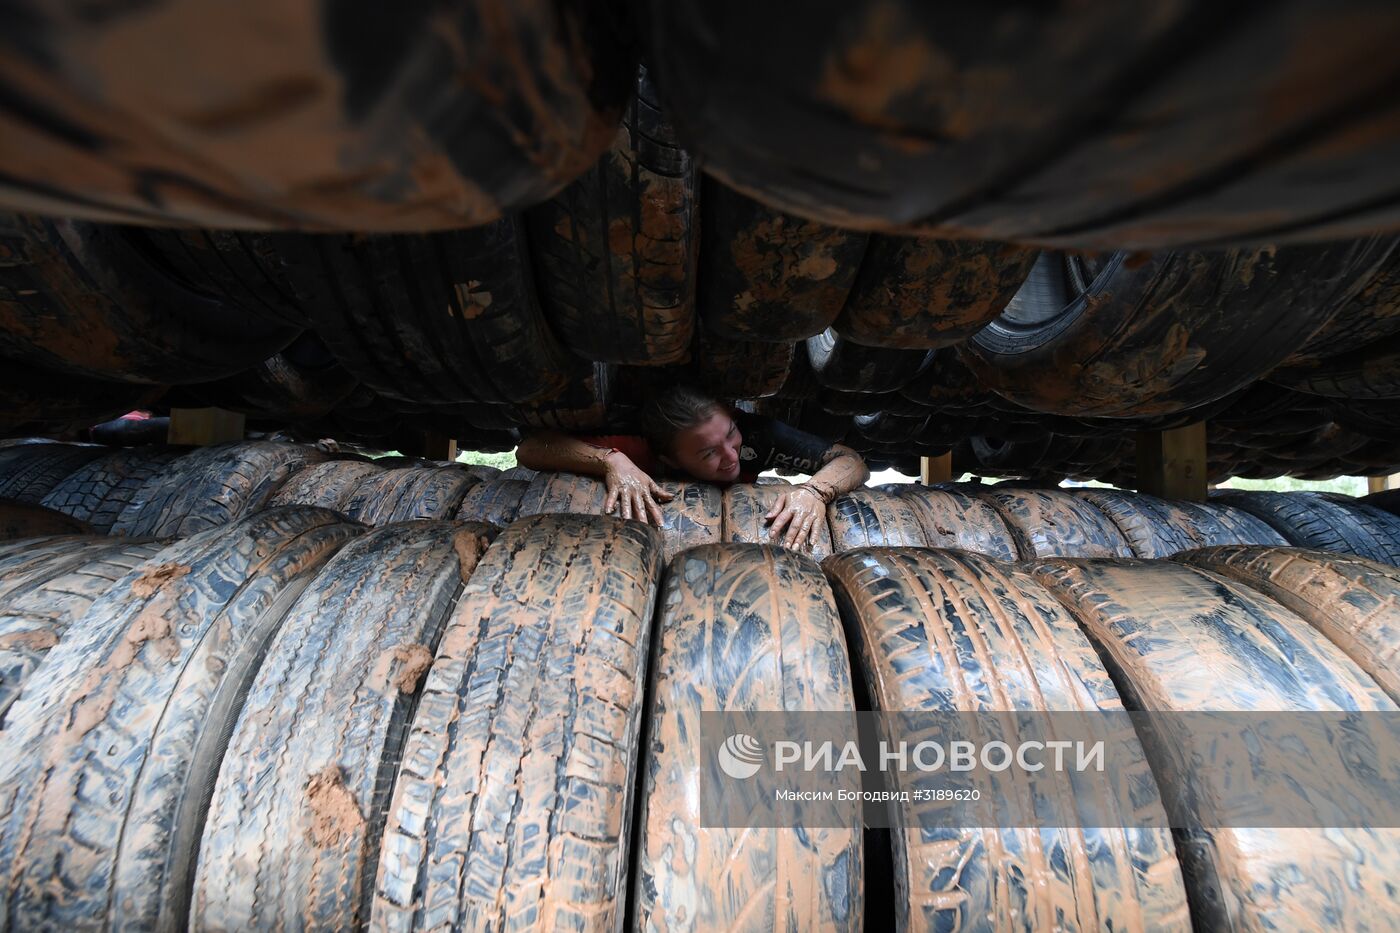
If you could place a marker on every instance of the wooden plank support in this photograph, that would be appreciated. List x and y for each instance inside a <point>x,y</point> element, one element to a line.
<point>936,469</point>
<point>439,447</point>
<point>1172,464</point>
<point>202,427</point>
<point>1382,483</point>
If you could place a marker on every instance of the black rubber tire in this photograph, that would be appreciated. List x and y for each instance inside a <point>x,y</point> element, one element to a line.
<point>311,759</point>
<point>86,300</point>
<point>1373,315</point>
<point>1053,523</point>
<point>1353,601</point>
<point>1156,334</point>
<point>210,487</point>
<point>745,509</point>
<point>1372,372</point>
<point>535,702</point>
<point>302,383</point>
<point>33,474</point>
<point>1146,522</point>
<point>694,516</point>
<point>743,627</point>
<point>616,251</point>
<point>329,484</point>
<point>26,520</point>
<point>1219,646</point>
<point>100,489</point>
<point>399,495</point>
<point>448,317</point>
<point>157,668</point>
<point>581,406</point>
<point>566,493</point>
<point>36,613</point>
<point>1104,127</point>
<point>494,501</point>
<point>953,519</point>
<point>742,369</point>
<point>1312,521</point>
<point>944,632</point>
<point>308,117</point>
<point>889,429</point>
<point>838,363</point>
<point>770,276</point>
<point>945,383</point>
<point>1387,500</point>
<point>241,268</point>
<point>873,518</point>
<point>922,293</point>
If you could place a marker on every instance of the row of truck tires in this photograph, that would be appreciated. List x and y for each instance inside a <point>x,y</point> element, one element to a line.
<point>439,722</point>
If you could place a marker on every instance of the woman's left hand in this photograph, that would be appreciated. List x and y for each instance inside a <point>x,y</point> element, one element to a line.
<point>799,511</point>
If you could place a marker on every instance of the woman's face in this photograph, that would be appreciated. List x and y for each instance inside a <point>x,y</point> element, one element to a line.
<point>710,450</point>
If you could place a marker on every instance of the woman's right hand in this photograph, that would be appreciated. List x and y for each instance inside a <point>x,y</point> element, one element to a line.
<point>632,491</point>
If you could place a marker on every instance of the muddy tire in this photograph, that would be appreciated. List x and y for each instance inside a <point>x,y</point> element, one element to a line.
<point>1372,372</point>
<point>399,495</point>
<point>157,669</point>
<point>717,650</point>
<point>567,493</point>
<point>1105,128</point>
<point>1199,326</point>
<point>871,518</point>
<point>1223,523</point>
<point>1217,645</point>
<point>397,122</point>
<point>26,520</point>
<point>301,383</point>
<point>1149,529</point>
<point>770,276</point>
<point>746,507</point>
<point>1050,523</point>
<point>943,632</point>
<point>328,485</point>
<point>449,317</point>
<point>533,706</point>
<point>36,612</point>
<point>494,501</point>
<point>100,489</point>
<point>839,363</point>
<point>296,815</point>
<point>917,293</point>
<point>953,519</point>
<point>1353,601</point>
<point>742,369</point>
<point>1312,521</point>
<point>693,517</point>
<point>241,268</point>
<point>615,252</point>
<point>582,405</point>
<point>1373,315</point>
<point>211,486</point>
<point>39,468</point>
<point>85,299</point>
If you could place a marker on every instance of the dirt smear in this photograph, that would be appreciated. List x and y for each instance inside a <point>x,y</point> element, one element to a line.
<point>469,547</point>
<point>32,640</point>
<point>414,660</point>
<point>334,812</point>
<point>153,579</point>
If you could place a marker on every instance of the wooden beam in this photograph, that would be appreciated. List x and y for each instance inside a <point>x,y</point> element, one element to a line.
<point>1382,483</point>
<point>439,447</point>
<point>201,427</point>
<point>936,469</point>
<point>1172,464</point>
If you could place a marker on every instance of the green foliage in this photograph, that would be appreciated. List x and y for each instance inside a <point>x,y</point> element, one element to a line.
<point>500,461</point>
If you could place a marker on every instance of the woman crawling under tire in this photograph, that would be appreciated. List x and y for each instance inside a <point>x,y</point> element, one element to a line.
<point>688,433</point>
